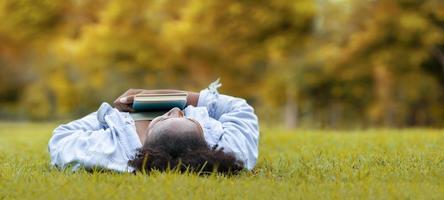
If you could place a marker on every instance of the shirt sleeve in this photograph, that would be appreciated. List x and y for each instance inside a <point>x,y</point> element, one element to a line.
<point>88,143</point>
<point>234,126</point>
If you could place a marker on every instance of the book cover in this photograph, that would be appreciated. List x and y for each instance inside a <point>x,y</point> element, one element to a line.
<point>159,102</point>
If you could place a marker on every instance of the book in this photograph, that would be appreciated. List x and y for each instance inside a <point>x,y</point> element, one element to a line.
<point>147,115</point>
<point>159,102</point>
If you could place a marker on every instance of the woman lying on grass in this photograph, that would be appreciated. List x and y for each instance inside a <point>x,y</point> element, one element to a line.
<point>213,133</point>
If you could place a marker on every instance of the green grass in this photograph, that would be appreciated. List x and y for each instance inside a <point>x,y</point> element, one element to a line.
<point>301,164</point>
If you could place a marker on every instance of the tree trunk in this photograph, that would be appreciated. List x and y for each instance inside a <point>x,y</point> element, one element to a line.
<point>439,56</point>
<point>291,110</point>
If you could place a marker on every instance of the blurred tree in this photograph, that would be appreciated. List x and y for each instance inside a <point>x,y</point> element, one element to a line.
<point>325,63</point>
<point>385,45</point>
<point>26,28</point>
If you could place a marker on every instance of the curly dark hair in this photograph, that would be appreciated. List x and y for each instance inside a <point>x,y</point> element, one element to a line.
<point>184,153</point>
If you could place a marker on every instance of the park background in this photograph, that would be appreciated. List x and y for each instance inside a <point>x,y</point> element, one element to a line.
<point>304,63</point>
<point>361,82</point>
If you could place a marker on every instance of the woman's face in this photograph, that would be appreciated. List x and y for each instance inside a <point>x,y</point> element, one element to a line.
<point>175,122</point>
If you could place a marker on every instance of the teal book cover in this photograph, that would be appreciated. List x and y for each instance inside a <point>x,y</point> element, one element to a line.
<point>157,106</point>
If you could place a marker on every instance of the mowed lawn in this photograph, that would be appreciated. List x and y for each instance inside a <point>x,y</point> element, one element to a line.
<point>300,164</point>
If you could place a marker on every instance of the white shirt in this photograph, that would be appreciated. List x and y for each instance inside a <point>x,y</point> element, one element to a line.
<point>108,139</point>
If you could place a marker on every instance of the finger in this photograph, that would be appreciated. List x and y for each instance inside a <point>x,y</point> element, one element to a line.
<point>116,102</point>
<point>118,107</point>
<point>127,108</point>
<point>130,99</point>
<point>127,99</point>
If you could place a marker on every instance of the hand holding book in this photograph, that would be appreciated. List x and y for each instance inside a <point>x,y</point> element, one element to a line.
<point>134,100</point>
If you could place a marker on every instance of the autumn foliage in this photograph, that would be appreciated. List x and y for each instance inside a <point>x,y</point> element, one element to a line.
<point>314,63</point>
